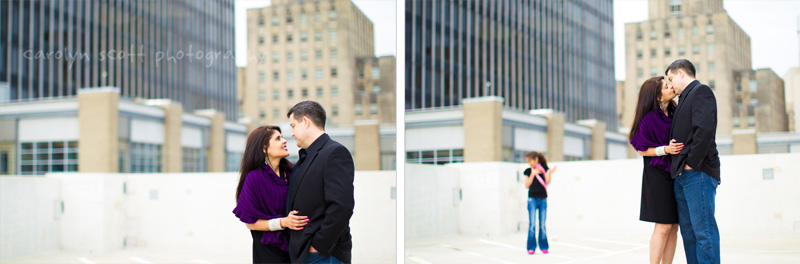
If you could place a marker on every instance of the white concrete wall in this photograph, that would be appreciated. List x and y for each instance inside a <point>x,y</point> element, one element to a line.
<point>602,197</point>
<point>29,216</point>
<point>431,201</point>
<point>182,211</point>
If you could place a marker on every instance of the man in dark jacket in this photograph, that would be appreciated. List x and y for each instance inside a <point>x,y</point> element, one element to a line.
<point>321,187</point>
<point>696,168</point>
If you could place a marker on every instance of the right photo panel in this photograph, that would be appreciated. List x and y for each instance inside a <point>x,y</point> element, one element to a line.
<point>599,131</point>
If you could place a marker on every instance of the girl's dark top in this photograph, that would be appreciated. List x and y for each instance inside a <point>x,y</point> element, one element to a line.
<point>536,190</point>
<point>653,132</point>
<point>263,196</point>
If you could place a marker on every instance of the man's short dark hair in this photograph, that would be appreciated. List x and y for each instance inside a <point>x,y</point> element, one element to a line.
<point>682,64</point>
<point>310,109</point>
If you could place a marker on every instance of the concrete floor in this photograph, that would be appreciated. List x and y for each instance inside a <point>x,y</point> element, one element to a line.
<point>577,248</point>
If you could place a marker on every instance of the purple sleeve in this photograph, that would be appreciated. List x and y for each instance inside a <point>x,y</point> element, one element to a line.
<point>644,137</point>
<point>251,205</point>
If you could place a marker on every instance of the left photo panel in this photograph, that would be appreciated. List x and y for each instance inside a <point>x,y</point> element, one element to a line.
<point>208,131</point>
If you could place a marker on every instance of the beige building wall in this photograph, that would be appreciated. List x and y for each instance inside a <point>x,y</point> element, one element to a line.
<point>665,9</point>
<point>759,101</point>
<point>98,113</point>
<point>375,94</point>
<point>483,122</point>
<point>172,149</point>
<point>791,82</point>
<point>713,42</point>
<point>367,137</point>
<point>290,39</point>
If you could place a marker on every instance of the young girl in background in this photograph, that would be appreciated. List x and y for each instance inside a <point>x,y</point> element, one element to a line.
<point>537,178</point>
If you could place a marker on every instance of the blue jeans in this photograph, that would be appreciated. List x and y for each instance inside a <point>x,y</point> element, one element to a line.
<point>319,258</point>
<point>694,192</point>
<point>537,204</point>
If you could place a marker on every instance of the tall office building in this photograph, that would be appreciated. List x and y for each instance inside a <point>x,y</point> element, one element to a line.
<point>179,50</point>
<point>533,54</point>
<point>310,50</point>
<point>698,30</point>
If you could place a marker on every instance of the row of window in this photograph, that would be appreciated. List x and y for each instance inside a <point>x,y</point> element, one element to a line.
<point>358,109</point>
<point>37,158</point>
<point>439,157</point>
<point>681,51</point>
<point>276,56</point>
<point>233,161</point>
<point>751,121</point>
<point>332,36</point>
<point>656,71</point>
<point>194,160</point>
<point>262,95</point>
<point>681,32</point>
<point>276,75</point>
<point>303,18</point>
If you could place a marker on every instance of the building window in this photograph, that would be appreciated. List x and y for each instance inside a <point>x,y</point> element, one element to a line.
<point>335,110</point>
<point>303,36</point>
<point>318,54</point>
<point>753,85</point>
<point>333,54</point>
<point>304,74</point>
<point>260,20</point>
<point>710,49</point>
<point>639,72</point>
<point>37,158</point>
<point>276,94</point>
<point>709,29</point>
<point>440,157</point>
<point>318,35</point>
<point>675,7</point>
<point>289,19</point>
<point>653,34</point>
<point>275,76</point>
<point>276,57</point>
<point>332,15</point>
<point>305,92</point>
<point>289,38</point>
<point>303,19</point>
<point>753,102</point>
<point>638,54</point>
<point>751,121</point>
<point>360,89</point>
<point>317,17</point>
<point>695,31</point>
<point>145,157</point>
<point>289,56</point>
<point>275,20</point>
<point>712,84</point>
<point>711,67</point>
<point>260,40</point>
<point>193,160</point>
<point>737,122</point>
<point>275,39</point>
<point>262,95</point>
<point>681,50</point>
<point>695,49</point>
<point>653,71</point>
<point>262,113</point>
<point>319,91</point>
<point>373,109</point>
<point>667,52</point>
<point>289,75</point>
<point>232,161</point>
<point>358,109</point>
<point>290,93</point>
<point>667,33</point>
<point>333,72</point>
<point>681,33</point>
<point>334,91</point>
<point>638,35</point>
<point>303,55</point>
<point>332,35</point>
<point>652,53</point>
<point>276,113</point>
<point>318,73</point>
<point>262,77</point>
<point>4,162</point>
<point>738,85</point>
<point>376,72</point>
<point>376,89</point>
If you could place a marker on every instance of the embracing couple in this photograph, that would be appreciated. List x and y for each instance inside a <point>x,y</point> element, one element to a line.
<point>681,164</point>
<point>277,199</point>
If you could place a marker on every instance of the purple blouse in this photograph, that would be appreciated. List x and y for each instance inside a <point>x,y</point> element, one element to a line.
<point>263,196</point>
<point>653,132</point>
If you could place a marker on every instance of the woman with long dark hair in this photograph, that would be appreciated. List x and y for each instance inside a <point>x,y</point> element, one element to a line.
<point>650,137</point>
<point>261,195</point>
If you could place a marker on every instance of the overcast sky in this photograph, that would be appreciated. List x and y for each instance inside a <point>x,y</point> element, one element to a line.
<point>772,26</point>
<point>382,13</point>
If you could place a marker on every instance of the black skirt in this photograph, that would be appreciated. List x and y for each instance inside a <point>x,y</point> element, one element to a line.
<point>265,253</point>
<point>658,198</point>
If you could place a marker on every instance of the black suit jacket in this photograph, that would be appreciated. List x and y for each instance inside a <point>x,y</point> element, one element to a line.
<point>695,124</point>
<point>321,187</point>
